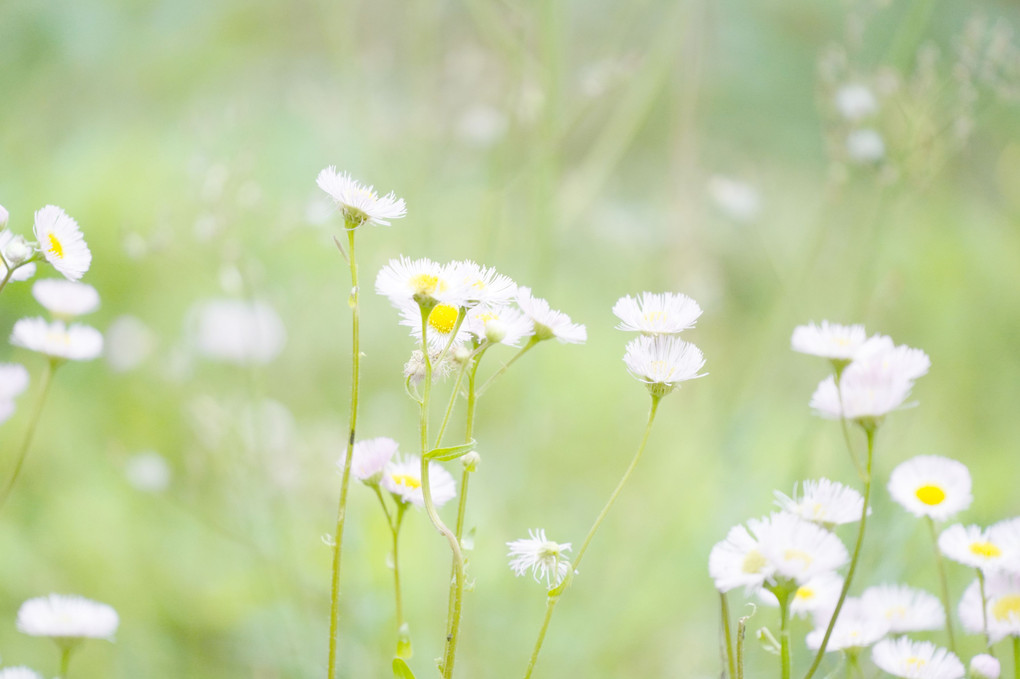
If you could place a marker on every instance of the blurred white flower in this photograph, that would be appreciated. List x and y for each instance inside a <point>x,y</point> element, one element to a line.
<point>1002,591</point>
<point>905,609</point>
<point>360,204</point>
<point>13,380</point>
<point>235,331</point>
<point>61,242</point>
<point>547,323</point>
<point>737,561</point>
<point>797,549</point>
<point>402,477</point>
<point>370,457</point>
<point>4,216</point>
<point>736,199</point>
<point>855,101</point>
<point>933,486</point>
<point>663,361</point>
<point>128,343</point>
<point>481,125</point>
<point>20,672</point>
<point>66,618</point>
<point>666,313</point>
<point>865,146</point>
<point>854,629</point>
<point>829,340</point>
<point>65,299</point>
<point>54,339</point>
<point>484,285</point>
<point>984,666</point>
<point>148,471</point>
<point>1007,533</point>
<point>910,659</point>
<point>545,559</point>
<point>976,547</point>
<point>823,501</point>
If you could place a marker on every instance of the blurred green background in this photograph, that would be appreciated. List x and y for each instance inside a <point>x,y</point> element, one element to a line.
<point>583,148</point>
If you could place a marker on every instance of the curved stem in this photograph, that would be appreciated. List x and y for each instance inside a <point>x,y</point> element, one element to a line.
<point>47,380</point>
<point>870,431</point>
<point>943,582</point>
<point>984,608</point>
<point>525,349</point>
<point>730,664</point>
<point>341,512</point>
<point>557,591</point>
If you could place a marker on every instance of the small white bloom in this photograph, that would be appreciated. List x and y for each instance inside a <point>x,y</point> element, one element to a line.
<point>370,457</point>
<point>929,485</point>
<point>129,341</point>
<point>13,380</point>
<point>61,242</point>
<point>738,200</point>
<point>484,285</point>
<point>978,548</point>
<point>823,501</point>
<point>544,558</point>
<point>235,331</point>
<point>20,672</point>
<point>15,250</point>
<point>666,313</point>
<point>797,549</point>
<point>984,666</point>
<point>909,659</point>
<point>502,324</point>
<point>402,477</point>
<point>854,629</point>
<point>905,609</point>
<point>828,340</point>
<point>360,204</point>
<point>548,323</point>
<point>865,146</point>
<point>404,281</point>
<point>65,299</point>
<point>54,339</point>
<point>148,472</point>
<point>814,597</point>
<point>663,361</point>
<point>855,101</point>
<point>67,617</point>
<point>1007,533</point>
<point>1002,591</point>
<point>737,561</point>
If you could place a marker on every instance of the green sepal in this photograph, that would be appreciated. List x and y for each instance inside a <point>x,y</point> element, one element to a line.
<point>451,452</point>
<point>401,670</point>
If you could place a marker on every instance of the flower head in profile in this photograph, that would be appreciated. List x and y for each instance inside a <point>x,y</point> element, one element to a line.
<point>544,558</point>
<point>929,485</point>
<point>498,324</point>
<point>20,672</point>
<point>829,340</point>
<point>370,458</point>
<point>667,313</point>
<point>1002,591</point>
<point>65,299</point>
<point>61,242</point>
<point>855,628</point>
<point>546,322</point>
<point>663,361</point>
<point>67,617</point>
<point>798,550</point>
<point>420,281</point>
<point>54,339</point>
<point>824,502</point>
<point>236,331</point>
<point>905,609</point>
<point>402,477</point>
<point>978,548</point>
<point>484,285</point>
<point>1007,533</point>
<point>910,659</point>
<point>359,203</point>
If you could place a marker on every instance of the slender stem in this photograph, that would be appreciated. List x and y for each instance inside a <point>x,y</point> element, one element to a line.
<point>449,406</point>
<point>870,431</point>
<point>47,380</point>
<point>846,429</point>
<point>555,593</point>
<point>341,512</point>
<point>65,660</point>
<point>741,633</point>
<point>403,636</point>
<point>525,349</point>
<point>730,663</point>
<point>6,278</point>
<point>550,604</point>
<point>943,582</point>
<point>784,631</point>
<point>984,608</point>
<point>1016,656</point>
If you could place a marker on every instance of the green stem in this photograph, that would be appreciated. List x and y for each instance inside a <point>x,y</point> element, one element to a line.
<point>730,663</point>
<point>525,349</point>
<point>870,431</point>
<point>984,608</point>
<point>943,582</point>
<point>47,380</point>
<point>341,512</point>
<point>846,429</point>
<point>555,593</point>
<point>1016,657</point>
<point>741,634</point>
<point>403,639</point>
<point>450,404</point>
<point>65,660</point>
<point>784,631</point>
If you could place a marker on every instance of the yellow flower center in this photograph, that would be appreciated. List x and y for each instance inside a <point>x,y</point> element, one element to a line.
<point>406,480</point>
<point>424,283</point>
<point>753,562</point>
<point>896,613</point>
<point>798,555</point>
<point>804,593</point>
<point>913,662</point>
<point>443,317</point>
<point>56,247</point>
<point>985,549</point>
<point>655,316</point>
<point>931,495</point>
<point>1006,608</point>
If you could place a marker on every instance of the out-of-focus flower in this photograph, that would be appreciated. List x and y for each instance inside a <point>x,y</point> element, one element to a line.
<point>978,548</point>
<point>239,332</point>
<point>984,666</point>
<point>865,146</point>
<point>905,609</point>
<point>855,101</point>
<point>823,501</point>
<point>15,250</point>
<point>736,199</point>
<point>910,659</point>
<point>76,342</point>
<point>829,340</point>
<point>65,299</point>
<point>855,628</point>
<point>1002,590</point>
<point>402,477</point>
<point>148,472</point>
<point>370,458</point>
<point>129,342</point>
<point>67,618</point>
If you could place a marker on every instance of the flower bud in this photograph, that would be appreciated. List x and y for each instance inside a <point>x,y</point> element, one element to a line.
<point>984,666</point>
<point>495,330</point>
<point>18,250</point>
<point>471,460</point>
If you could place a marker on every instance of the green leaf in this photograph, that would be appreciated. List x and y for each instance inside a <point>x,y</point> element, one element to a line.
<point>451,452</point>
<point>401,670</point>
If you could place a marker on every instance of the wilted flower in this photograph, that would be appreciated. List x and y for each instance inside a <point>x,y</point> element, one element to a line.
<point>544,558</point>
<point>548,323</point>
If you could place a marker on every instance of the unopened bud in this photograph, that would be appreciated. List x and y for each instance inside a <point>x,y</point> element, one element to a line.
<point>471,460</point>
<point>495,330</point>
<point>461,354</point>
<point>18,250</point>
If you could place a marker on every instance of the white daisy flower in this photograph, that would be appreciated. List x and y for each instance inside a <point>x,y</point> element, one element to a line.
<point>984,666</point>
<point>909,659</point>
<point>370,458</point>
<point>148,472</point>
<point>823,501</point>
<point>544,558</point>
<point>547,323</point>
<point>976,547</point>
<point>829,340</point>
<point>663,361</point>
<point>442,321</point>
<point>20,672</point>
<point>484,285</point>
<point>1002,591</point>
<point>814,597</point>
<point>905,609</point>
<point>13,380</point>
<point>67,618</point>
<point>737,561</point>
<point>854,629</point>
<point>404,281</point>
<point>906,362</point>
<point>865,146</point>
<point>15,250</point>
<point>236,331</point>
<point>929,485</point>
<point>666,313</point>
<point>360,204</point>
<point>54,339</point>
<point>855,101</point>
<point>498,324</point>
<point>738,200</point>
<point>797,549</point>
<point>61,242</point>
<point>1007,533</point>
<point>65,299</point>
<point>402,477</point>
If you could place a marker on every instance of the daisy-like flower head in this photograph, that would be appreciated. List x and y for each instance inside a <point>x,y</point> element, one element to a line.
<point>823,501</point>
<point>441,322</point>
<point>854,629</point>
<point>797,549</point>
<point>829,340</point>
<point>15,250</point>
<point>13,380</point>
<point>547,323</point>
<point>929,485</point>
<point>737,561</point>
<point>812,598</point>
<point>663,361</point>
<point>420,281</point>
<point>1002,591</point>
<point>61,242</point>
<point>544,558</point>
<point>360,204</point>
<point>484,285</point>
<point>909,659</point>
<point>20,672</point>
<point>905,609</point>
<point>370,458</point>
<point>1007,533</point>
<point>402,477</point>
<point>54,339</point>
<point>237,331</point>
<point>67,618</point>
<point>498,324</point>
<point>65,299</point>
<point>984,666</point>
<point>667,313</point>
<point>978,548</point>
<point>855,101</point>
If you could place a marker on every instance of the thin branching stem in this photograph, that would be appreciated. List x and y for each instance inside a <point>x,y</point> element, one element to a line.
<point>26,442</point>
<point>940,565</point>
<point>727,635</point>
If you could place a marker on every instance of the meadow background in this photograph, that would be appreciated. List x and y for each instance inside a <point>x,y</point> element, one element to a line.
<point>572,145</point>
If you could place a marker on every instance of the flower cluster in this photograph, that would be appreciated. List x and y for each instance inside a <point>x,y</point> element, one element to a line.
<point>58,241</point>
